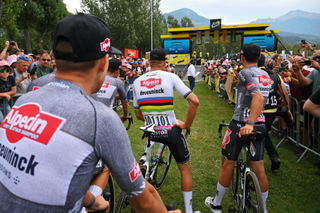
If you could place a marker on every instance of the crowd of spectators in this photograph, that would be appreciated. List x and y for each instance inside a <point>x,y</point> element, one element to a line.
<point>301,76</point>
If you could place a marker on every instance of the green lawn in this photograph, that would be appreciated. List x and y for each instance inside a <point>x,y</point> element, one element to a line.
<point>293,188</point>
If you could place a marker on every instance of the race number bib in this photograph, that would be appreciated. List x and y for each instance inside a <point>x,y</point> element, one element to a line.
<point>161,121</point>
<point>106,90</point>
<point>246,113</point>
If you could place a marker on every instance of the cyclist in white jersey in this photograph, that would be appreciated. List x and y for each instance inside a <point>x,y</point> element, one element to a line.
<point>153,101</point>
<point>52,138</point>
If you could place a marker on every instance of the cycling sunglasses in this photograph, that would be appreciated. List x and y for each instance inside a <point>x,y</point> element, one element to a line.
<point>23,57</point>
<point>5,70</point>
<point>46,59</point>
<point>315,58</point>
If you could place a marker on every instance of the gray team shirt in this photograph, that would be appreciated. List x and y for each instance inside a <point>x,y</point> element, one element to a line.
<point>49,150</point>
<point>251,80</point>
<point>108,91</point>
<point>40,82</point>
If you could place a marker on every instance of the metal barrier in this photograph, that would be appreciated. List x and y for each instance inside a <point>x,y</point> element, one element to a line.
<point>305,132</point>
<point>11,102</point>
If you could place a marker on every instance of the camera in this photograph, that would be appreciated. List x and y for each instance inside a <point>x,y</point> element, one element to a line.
<point>283,111</point>
<point>11,43</point>
<point>307,62</point>
<point>303,41</point>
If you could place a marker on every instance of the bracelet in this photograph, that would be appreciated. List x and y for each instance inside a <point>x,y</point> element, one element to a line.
<point>92,202</point>
<point>250,122</point>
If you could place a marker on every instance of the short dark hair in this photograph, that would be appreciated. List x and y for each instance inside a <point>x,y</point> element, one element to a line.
<point>262,60</point>
<point>41,51</point>
<point>64,46</point>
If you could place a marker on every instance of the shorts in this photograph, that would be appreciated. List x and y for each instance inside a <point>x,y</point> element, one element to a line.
<point>232,144</point>
<point>176,142</point>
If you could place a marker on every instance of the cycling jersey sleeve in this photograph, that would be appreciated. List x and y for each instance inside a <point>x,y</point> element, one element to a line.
<point>135,98</point>
<point>180,87</point>
<point>115,151</point>
<point>249,81</point>
<point>122,92</point>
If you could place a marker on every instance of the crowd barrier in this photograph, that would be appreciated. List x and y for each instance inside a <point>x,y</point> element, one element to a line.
<point>304,133</point>
<point>11,102</point>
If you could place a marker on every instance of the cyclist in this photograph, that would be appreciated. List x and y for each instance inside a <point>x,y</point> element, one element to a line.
<point>55,136</point>
<point>252,93</point>
<point>111,86</point>
<point>153,101</point>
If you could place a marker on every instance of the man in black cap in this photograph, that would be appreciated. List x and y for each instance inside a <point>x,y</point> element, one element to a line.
<point>111,86</point>
<point>252,94</point>
<point>153,102</point>
<point>57,134</point>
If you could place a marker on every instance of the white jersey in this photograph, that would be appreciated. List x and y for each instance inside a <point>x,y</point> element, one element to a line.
<point>153,96</point>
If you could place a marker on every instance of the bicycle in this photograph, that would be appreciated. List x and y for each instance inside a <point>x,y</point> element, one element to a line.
<point>249,199</point>
<point>153,169</point>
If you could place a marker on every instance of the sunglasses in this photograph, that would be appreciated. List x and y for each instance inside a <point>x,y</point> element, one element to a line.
<point>23,57</point>
<point>4,70</point>
<point>46,59</point>
<point>316,57</point>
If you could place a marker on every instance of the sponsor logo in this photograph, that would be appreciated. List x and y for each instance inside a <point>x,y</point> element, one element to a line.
<point>226,138</point>
<point>215,24</point>
<point>135,172</point>
<point>105,45</point>
<point>241,52</point>
<point>264,80</point>
<point>35,88</point>
<point>105,84</point>
<point>154,91</point>
<point>251,86</point>
<point>150,83</point>
<point>30,122</point>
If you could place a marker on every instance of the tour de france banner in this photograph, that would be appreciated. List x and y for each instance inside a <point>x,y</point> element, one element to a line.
<point>178,59</point>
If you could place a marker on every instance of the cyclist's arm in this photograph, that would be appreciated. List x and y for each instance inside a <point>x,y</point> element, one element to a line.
<point>99,204</point>
<point>139,115</point>
<point>192,110</point>
<point>255,110</point>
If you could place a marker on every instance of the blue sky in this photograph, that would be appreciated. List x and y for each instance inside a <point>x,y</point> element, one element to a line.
<point>231,11</point>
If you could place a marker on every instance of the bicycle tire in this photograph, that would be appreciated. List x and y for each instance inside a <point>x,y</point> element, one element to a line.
<point>162,167</point>
<point>110,188</point>
<point>123,204</point>
<point>235,179</point>
<point>253,196</point>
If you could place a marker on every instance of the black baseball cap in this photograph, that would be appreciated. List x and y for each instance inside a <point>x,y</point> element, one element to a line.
<point>89,37</point>
<point>159,54</point>
<point>114,64</point>
<point>250,50</point>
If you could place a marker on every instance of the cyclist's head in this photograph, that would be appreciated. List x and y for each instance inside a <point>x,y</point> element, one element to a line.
<point>261,60</point>
<point>114,65</point>
<point>158,57</point>
<point>79,41</point>
<point>251,52</point>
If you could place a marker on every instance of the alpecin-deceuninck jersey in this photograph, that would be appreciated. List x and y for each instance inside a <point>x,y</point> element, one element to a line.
<point>251,80</point>
<point>153,96</point>
<point>50,143</point>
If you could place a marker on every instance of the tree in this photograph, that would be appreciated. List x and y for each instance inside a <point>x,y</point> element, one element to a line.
<point>172,22</point>
<point>186,22</point>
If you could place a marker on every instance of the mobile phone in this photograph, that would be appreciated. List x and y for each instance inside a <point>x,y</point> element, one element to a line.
<point>307,62</point>
<point>303,41</point>
<point>33,71</point>
<point>11,43</point>
<point>282,69</point>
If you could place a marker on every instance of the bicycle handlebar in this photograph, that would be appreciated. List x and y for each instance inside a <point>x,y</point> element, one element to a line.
<point>252,136</point>
<point>220,127</point>
<point>106,196</point>
<point>170,207</point>
<point>130,120</point>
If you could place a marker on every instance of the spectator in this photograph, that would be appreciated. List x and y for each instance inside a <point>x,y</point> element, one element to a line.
<point>22,77</point>
<point>5,52</point>
<point>43,68</point>
<point>12,59</point>
<point>171,68</point>
<point>192,74</point>
<point>19,52</point>
<point>7,88</point>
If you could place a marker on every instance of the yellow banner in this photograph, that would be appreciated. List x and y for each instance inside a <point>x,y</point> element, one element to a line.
<point>217,83</point>
<point>209,81</point>
<point>216,35</point>
<point>178,59</point>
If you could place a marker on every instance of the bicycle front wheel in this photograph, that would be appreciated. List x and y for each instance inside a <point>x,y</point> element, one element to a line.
<point>162,167</point>
<point>235,178</point>
<point>253,197</point>
<point>124,204</point>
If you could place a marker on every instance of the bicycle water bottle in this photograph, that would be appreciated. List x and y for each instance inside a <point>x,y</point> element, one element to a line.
<point>153,163</point>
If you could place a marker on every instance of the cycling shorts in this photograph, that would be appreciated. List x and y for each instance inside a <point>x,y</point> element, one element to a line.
<point>176,141</point>
<point>232,144</point>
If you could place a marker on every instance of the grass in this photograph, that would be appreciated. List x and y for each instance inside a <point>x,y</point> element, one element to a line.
<point>293,188</point>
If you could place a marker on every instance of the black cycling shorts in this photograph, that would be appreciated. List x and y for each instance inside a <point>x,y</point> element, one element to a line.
<point>176,141</point>
<point>232,144</point>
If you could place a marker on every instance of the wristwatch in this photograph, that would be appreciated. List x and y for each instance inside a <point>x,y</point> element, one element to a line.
<point>250,122</point>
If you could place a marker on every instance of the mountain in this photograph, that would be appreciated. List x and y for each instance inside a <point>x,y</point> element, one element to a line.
<point>296,21</point>
<point>197,20</point>
<point>295,38</point>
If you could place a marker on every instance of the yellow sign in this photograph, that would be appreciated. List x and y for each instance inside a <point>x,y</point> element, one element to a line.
<point>224,36</point>
<point>178,59</point>
<point>216,35</point>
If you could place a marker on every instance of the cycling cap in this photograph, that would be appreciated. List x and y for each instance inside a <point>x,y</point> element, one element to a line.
<point>158,54</point>
<point>250,50</point>
<point>88,35</point>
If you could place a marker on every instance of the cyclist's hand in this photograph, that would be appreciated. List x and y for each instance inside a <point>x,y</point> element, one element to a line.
<point>246,130</point>
<point>175,211</point>
<point>180,124</point>
<point>100,205</point>
<point>123,118</point>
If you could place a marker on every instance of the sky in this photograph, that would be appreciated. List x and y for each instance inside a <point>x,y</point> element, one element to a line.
<point>231,11</point>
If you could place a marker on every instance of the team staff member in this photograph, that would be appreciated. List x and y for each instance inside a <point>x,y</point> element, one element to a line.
<point>111,86</point>
<point>191,74</point>
<point>252,93</point>
<point>55,136</point>
<point>153,101</point>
